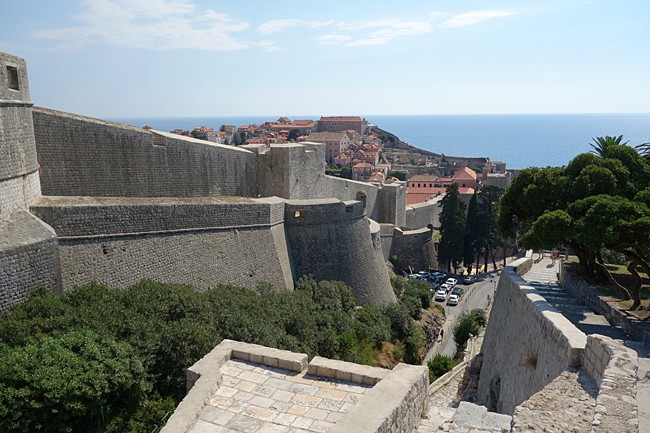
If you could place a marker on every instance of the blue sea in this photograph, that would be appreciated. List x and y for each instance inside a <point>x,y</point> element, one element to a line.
<point>521,140</point>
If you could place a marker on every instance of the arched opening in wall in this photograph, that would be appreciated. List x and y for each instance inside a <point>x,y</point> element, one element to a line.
<point>362,196</point>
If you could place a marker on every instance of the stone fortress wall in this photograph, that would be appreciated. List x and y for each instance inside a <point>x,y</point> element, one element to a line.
<point>196,241</point>
<point>28,247</point>
<point>126,203</point>
<point>81,156</point>
<point>528,345</point>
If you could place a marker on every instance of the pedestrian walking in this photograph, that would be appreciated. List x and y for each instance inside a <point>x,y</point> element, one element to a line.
<point>442,334</point>
<point>554,255</point>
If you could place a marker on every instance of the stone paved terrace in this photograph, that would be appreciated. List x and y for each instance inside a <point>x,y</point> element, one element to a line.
<point>257,398</point>
<point>246,388</point>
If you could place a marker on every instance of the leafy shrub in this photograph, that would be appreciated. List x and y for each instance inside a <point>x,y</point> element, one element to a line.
<point>468,323</point>
<point>440,365</point>
<point>71,382</point>
<point>162,329</point>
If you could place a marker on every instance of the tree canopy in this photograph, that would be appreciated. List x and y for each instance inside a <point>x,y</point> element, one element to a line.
<point>600,200</point>
<point>452,229</point>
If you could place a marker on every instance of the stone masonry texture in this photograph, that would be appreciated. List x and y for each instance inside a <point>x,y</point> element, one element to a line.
<point>81,156</point>
<point>200,242</point>
<point>28,258</point>
<point>527,344</point>
<point>331,240</point>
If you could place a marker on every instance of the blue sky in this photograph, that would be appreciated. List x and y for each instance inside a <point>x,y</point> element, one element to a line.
<point>123,58</point>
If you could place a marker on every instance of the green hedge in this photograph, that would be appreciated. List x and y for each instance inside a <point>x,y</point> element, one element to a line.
<point>98,359</point>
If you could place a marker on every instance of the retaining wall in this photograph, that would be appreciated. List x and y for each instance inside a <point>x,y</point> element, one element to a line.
<point>527,343</point>
<point>200,242</point>
<point>590,296</point>
<point>82,156</point>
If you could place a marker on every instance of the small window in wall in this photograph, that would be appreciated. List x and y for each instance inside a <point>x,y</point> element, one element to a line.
<point>12,78</point>
<point>299,214</point>
<point>348,208</point>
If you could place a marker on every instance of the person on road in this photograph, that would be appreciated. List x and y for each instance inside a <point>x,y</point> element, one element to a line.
<point>442,334</point>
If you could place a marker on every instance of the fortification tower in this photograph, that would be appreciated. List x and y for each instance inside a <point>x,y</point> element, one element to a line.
<point>19,182</point>
<point>29,255</point>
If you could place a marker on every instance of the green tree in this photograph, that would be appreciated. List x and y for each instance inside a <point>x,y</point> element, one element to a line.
<point>602,145</point>
<point>73,382</point>
<point>452,229</point>
<point>599,201</point>
<point>488,237</point>
<point>471,232</point>
<point>293,135</point>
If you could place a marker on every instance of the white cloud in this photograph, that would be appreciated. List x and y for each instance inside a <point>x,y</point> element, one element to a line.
<point>474,17</point>
<point>149,24</point>
<point>379,32</point>
<point>269,46</point>
<point>389,31</point>
<point>275,26</point>
<point>333,39</point>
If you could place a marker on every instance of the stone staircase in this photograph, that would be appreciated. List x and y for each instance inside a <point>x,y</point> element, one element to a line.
<point>466,418</point>
<point>543,277</point>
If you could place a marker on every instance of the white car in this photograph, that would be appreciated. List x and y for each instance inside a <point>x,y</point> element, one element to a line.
<point>441,295</point>
<point>451,282</point>
<point>453,300</point>
<point>446,287</point>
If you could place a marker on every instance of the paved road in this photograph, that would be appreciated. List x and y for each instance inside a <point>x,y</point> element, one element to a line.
<point>475,297</point>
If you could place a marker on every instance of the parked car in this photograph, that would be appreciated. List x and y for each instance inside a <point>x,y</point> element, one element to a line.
<point>414,276</point>
<point>438,276</point>
<point>435,287</point>
<point>458,292</point>
<point>446,287</point>
<point>453,300</point>
<point>423,275</point>
<point>441,295</point>
<point>469,280</point>
<point>451,282</point>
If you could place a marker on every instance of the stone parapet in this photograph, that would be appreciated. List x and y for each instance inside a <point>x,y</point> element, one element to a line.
<point>393,405</point>
<point>613,367</point>
<point>527,343</point>
<point>89,217</point>
<point>348,371</point>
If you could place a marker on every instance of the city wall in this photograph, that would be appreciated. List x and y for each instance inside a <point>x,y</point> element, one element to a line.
<point>82,156</point>
<point>414,248</point>
<point>423,214</point>
<point>332,240</point>
<point>201,242</point>
<point>527,343</point>
<point>28,247</point>
<point>28,258</point>
<point>114,194</point>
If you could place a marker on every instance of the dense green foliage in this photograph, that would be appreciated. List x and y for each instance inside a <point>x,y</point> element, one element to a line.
<point>452,229</point>
<point>469,323</point>
<point>482,234</point>
<point>98,359</point>
<point>342,172</point>
<point>440,365</point>
<point>599,203</point>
